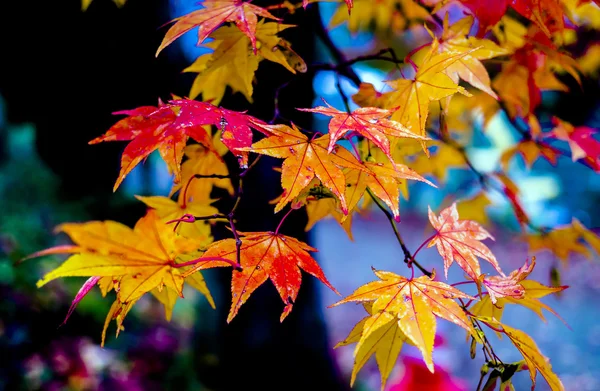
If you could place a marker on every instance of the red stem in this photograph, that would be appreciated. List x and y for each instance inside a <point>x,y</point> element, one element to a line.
<point>423,244</point>
<point>235,265</point>
<point>282,220</point>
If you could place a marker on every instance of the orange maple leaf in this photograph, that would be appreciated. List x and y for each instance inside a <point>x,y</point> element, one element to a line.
<point>413,303</point>
<point>459,240</point>
<point>168,127</point>
<point>370,122</point>
<point>264,255</point>
<point>305,159</point>
<point>383,180</point>
<point>214,14</point>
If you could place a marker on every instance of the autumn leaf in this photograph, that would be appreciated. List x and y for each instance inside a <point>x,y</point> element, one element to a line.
<point>86,3</point>
<point>413,303</point>
<point>565,240</point>
<point>581,141</point>
<point>203,162</point>
<point>460,241</point>
<point>547,14</point>
<point>168,127</point>
<point>318,209</point>
<point>216,12</point>
<point>304,160</point>
<point>532,292</point>
<point>441,160</point>
<point>370,122</point>
<point>530,150</point>
<point>469,68</point>
<point>411,97</point>
<point>168,210</point>
<point>385,342</point>
<point>233,64</point>
<point>508,286</point>
<point>474,208</point>
<point>139,259</point>
<point>536,361</point>
<point>264,255</point>
<point>386,16</point>
<point>383,180</point>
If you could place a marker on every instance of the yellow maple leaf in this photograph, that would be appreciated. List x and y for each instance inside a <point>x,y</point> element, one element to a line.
<point>414,304</point>
<point>469,68</point>
<point>474,208</point>
<point>136,260</point>
<point>410,98</point>
<point>565,240</point>
<point>535,360</point>
<point>385,15</point>
<point>86,3</point>
<point>202,161</point>
<point>233,63</point>
<point>385,342</point>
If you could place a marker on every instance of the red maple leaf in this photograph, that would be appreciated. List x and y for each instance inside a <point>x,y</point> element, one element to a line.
<point>547,14</point>
<point>214,14</point>
<point>168,127</point>
<point>264,255</point>
<point>581,141</point>
<point>370,122</point>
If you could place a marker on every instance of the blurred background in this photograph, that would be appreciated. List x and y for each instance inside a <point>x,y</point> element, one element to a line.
<point>65,71</point>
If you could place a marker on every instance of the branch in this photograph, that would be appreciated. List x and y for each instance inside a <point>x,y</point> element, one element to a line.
<point>336,53</point>
<point>408,258</point>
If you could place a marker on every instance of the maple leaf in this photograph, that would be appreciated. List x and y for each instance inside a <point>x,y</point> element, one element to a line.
<point>385,16</point>
<point>385,342</point>
<point>233,64</point>
<point>530,150</point>
<point>512,192</point>
<point>468,68</point>
<point>430,83</point>
<point>508,286</point>
<point>413,303</point>
<point>460,241</point>
<point>319,209</point>
<point>565,240</point>
<point>370,122</point>
<point>547,14</point>
<point>168,210</point>
<point>216,12</point>
<point>532,292</point>
<point>474,208</point>
<point>202,161</point>
<point>304,160</point>
<point>440,161</point>
<point>264,255</point>
<point>536,362</point>
<point>168,127</point>
<point>581,141</point>
<point>86,3</point>
<point>139,259</point>
<point>383,180</point>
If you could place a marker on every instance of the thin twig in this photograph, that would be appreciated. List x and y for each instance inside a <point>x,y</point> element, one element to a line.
<point>408,258</point>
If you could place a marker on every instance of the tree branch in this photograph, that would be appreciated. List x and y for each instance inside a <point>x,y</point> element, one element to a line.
<point>408,258</point>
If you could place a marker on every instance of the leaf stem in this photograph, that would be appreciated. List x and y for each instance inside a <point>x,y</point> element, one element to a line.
<point>235,265</point>
<point>282,220</point>
<point>408,258</point>
<point>423,244</point>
